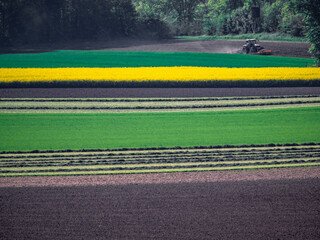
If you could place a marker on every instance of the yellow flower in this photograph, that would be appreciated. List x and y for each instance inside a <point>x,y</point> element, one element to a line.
<point>156,74</point>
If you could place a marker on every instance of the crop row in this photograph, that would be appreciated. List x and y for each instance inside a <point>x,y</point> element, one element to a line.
<point>159,107</point>
<point>20,164</point>
<point>157,150</point>
<point>182,74</point>
<point>158,154</point>
<point>126,162</point>
<point>157,166</point>
<point>154,155</point>
<point>155,105</point>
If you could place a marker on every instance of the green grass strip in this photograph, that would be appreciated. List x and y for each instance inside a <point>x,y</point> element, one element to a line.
<point>72,58</point>
<point>27,132</point>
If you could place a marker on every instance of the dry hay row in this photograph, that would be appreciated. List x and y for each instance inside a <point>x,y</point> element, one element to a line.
<point>241,151</point>
<point>152,159</point>
<point>61,170</point>
<point>173,163</point>
<point>160,158</point>
<point>192,105</point>
<point>151,99</point>
<point>163,150</point>
<point>161,107</point>
<point>163,161</point>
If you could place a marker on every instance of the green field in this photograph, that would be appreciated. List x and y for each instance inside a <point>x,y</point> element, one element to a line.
<point>25,132</point>
<point>70,58</point>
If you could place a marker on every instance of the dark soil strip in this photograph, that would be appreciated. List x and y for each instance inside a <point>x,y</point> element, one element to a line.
<point>151,92</point>
<point>49,100</point>
<point>244,83</point>
<point>162,178</point>
<point>286,49</point>
<point>265,209</point>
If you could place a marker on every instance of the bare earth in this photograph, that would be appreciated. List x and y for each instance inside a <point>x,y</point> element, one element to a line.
<point>263,204</point>
<point>163,178</point>
<point>151,92</point>
<point>285,49</point>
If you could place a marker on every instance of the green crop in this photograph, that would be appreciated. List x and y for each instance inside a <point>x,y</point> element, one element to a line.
<point>25,132</point>
<point>70,58</point>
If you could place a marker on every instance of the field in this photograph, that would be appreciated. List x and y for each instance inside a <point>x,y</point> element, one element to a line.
<point>177,74</point>
<point>148,69</point>
<point>38,131</point>
<point>131,124</point>
<point>240,162</point>
<point>283,49</point>
<point>111,59</point>
<point>282,209</point>
<point>154,92</point>
<point>159,160</point>
<point>104,124</point>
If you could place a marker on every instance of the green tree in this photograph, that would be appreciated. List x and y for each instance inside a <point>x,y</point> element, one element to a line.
<point>291,22</point>
<point>311,10</point>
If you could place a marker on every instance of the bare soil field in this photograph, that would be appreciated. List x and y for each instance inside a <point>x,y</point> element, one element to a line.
<point>163,178</point>
<point>286,49</point>
<point>262,209</point>
<point>151,92</point>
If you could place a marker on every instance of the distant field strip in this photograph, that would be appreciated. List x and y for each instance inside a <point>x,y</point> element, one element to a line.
<point>164,104</point>
<point>148,74</point>
<point>159,160</point>
<point>110,59</point>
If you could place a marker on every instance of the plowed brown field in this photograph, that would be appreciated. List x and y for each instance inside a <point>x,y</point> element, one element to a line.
<point>282,207</point>
<point>151,92</point>
<point>285,49</point>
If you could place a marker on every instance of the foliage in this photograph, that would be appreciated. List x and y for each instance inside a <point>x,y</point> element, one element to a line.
<point>25,21</point>
<point>260,36</point>
<point>37,21</point>
<point>219,17</point>
<point>272,16</point>
<point>311,10</point>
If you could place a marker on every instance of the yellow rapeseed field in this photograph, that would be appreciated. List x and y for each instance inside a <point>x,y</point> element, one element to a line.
<point>156,74</point>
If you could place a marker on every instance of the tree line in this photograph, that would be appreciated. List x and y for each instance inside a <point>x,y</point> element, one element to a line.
<point>36,21</point>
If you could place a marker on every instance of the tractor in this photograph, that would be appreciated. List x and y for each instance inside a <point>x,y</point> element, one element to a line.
<point>251,46</point>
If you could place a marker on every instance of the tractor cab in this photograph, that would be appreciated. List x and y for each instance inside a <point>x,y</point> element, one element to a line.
<point>251,46</point>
